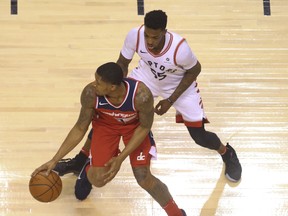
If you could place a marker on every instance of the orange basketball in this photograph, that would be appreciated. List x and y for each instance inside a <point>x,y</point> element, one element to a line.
<point>45,188</point>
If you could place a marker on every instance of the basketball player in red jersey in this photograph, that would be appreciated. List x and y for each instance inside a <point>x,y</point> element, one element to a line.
<point>169,69</point>
<point>118,108</point>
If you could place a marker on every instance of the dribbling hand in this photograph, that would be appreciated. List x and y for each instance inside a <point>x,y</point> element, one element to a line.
<point>48,166</point>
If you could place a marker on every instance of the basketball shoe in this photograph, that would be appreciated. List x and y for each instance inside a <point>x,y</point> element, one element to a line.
<point>83,187</point>
<point>183,212</point>
<point>69,165</point>
<point>233,169</point>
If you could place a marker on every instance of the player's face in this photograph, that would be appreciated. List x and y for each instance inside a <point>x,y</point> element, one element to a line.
<point>102,88</point>
<point>154,39</point>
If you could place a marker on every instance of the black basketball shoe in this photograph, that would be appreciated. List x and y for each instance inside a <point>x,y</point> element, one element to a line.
<point>233,169</point>
<point>69,165</point>
<point>83,187</point>
<point>183,212</point>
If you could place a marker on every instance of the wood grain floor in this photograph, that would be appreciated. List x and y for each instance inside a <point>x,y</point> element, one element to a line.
<point>50,50</point>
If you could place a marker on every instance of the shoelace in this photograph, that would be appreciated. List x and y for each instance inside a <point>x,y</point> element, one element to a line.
<point>65,160</point>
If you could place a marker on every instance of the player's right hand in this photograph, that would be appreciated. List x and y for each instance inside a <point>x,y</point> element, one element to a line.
<point>162,107</point>
<point>48,166</point>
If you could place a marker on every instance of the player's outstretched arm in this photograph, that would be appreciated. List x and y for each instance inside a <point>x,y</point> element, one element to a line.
<point>77,132</point>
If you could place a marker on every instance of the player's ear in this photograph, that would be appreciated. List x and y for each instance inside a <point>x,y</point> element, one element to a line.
<point>113,87</point>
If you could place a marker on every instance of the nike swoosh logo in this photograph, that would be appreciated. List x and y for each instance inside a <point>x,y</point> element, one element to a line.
<point>101,104</point>
<point>142,51</point>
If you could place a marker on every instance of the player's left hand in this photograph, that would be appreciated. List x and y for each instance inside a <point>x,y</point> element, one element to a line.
<point>162,107</point>
<point>114,166</point>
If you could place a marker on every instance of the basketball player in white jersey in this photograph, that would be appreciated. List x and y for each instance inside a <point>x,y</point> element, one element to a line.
<point>169,68</point>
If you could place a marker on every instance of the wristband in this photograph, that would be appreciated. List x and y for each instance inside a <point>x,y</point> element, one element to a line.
<point>170,101</point>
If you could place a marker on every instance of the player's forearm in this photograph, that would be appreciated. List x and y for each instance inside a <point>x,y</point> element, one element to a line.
<point>123,63</point>
<point>139,135</point>
<point>187,80</point>
<point>124,69</point>
<point>71,141</point>
<point>182,87</point>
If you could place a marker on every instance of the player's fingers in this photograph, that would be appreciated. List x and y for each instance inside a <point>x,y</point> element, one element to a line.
<point>110,176</point>
<point>36,171</point>
<point>157,110</point>
<point>107,174</point>
<point>109,163</point>
<point>47,172</point>
<point>45,167</point>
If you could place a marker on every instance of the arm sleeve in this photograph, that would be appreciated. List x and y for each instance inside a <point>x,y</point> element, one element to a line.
<point>130,43</point>
<point>185,56</point>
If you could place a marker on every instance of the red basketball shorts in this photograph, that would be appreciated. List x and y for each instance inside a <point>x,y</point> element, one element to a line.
<point>105,144</point>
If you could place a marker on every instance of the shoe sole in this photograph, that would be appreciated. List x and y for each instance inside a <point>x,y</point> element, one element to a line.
<point>231,179</point>
<point>183,212</point>
<point>64,173</point>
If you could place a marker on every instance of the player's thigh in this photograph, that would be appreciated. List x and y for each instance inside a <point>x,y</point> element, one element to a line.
<point>104,145</point>
<point>96,175</point>
<point>143,153</point>
<point>190,108</point>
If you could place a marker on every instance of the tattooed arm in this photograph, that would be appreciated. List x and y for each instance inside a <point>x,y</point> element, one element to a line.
<point>78,131</point>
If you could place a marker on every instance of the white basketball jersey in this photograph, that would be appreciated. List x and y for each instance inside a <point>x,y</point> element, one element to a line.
<point>163,69</point>
<point>163,72</point>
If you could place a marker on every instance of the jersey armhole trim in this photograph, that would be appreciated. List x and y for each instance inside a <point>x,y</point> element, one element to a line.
<point>138,38</point>
<point>176,50</point>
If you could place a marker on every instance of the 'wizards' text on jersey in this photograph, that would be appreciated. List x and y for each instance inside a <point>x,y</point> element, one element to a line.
<point>125,113</point>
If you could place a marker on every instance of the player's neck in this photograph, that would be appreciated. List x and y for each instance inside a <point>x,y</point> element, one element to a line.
<point>118,95</point>
<point>160,47</point>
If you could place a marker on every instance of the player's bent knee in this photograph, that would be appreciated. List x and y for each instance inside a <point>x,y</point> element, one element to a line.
<point>204,138</point>
<point>198,135</point>
<point>145,183</point>
<point>95,177</point>
<point>143,177</point>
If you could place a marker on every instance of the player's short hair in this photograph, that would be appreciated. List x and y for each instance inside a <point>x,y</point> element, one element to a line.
<point>156,19</point>
<point>111,73</point>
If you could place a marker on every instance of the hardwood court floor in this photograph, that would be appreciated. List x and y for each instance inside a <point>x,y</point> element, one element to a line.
<point>50,50</point>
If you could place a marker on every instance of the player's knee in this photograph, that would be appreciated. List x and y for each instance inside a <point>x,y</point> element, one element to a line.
<point>143,178</point>
<point>204,138</point>
<point>99,183</point>
<point>197,134</point>
<point>95,178</point>
<point>147,183</point>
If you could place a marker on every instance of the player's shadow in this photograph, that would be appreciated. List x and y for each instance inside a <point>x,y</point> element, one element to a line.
<point>211,205</point>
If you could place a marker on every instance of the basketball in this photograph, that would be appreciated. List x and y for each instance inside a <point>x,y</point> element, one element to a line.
<point>45,188</point>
